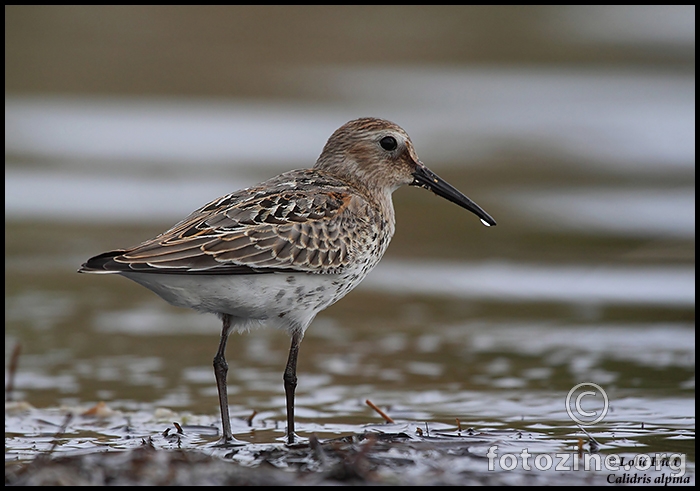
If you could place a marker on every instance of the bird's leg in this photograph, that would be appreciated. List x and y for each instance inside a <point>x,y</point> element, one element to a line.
<point>290,384</point>
<point>220,372</point>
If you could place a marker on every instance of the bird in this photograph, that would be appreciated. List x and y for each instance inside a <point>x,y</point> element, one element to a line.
<point>281,251</point>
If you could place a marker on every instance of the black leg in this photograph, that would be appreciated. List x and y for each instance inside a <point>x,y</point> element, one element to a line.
<point>290,384</point>
<point>220,372</point>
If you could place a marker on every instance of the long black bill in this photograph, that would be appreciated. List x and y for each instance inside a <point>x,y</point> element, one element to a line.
<point>427,179</point>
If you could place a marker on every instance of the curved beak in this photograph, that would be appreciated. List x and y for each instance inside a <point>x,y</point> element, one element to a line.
<point>425,178</point>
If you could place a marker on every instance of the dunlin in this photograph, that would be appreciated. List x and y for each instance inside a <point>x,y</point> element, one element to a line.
<point>280,252</point>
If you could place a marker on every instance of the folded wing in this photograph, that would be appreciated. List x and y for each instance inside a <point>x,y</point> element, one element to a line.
<point>283,225</point>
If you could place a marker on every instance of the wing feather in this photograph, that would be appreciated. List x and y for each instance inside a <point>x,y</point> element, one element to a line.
<point>299,221</point>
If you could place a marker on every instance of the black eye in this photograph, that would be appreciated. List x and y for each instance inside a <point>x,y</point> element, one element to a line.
<point>388,143</point>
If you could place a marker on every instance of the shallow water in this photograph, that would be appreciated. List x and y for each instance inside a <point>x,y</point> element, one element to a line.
<point>589,276</point>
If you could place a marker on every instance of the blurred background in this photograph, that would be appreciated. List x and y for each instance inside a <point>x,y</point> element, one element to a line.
<point>574,127</point>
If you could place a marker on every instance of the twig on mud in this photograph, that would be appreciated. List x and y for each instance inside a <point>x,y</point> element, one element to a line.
<point>58,434</point>
<point>386,417</point>
<point>317,449</point>
<point>593,444</point>
<point>249,419</point>
<point>42,459</point>
<point>354,465</point>
<point>370,442</point>
<point>11,371</point>
<point>358,466</point>
<point>459,427</point>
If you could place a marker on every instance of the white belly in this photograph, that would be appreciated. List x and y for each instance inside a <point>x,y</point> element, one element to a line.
<point>286,300</point>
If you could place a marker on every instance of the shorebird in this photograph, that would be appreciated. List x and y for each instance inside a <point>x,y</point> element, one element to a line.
<point>280,252</point>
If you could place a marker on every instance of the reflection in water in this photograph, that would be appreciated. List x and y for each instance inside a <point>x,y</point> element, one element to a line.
<point>496,343</point>
<point>638,212</point>
<point>629,120</point>
<point>583,148</point>
<point>668,285</point>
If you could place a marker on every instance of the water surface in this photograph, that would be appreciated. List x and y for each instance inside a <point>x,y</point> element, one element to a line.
<point>588,277</point>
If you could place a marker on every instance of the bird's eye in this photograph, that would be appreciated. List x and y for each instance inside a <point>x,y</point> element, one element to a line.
<point>388,143</point>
